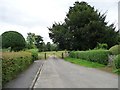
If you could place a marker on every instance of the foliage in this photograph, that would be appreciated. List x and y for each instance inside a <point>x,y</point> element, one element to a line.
<point>115,49</point>
<point>101,46</point>
<point>48,46</point>
<point>35,41</point>
<point>30,40</point>
<point>82,28</point>
<point>14,40</point>
<point>54,47</point>
<point>84,63</point>
<point>13,63</point>
<point>99,56</point>
<point>117,63</point>
<point>34,53</point>
<point>39,42</point>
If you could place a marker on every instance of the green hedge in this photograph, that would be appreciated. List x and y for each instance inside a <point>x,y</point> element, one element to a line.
<point>13,63</point>
<point>100,56</point>
<point>34,53</point>
<point>115,50</point>
<point>117,61</point>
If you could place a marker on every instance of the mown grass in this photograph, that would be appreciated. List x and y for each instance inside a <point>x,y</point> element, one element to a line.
<point>89,64</point>
<point>84,63</point>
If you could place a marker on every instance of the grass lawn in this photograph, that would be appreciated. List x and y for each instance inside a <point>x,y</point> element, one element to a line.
<point>90,64</point>
<point>84,63</point>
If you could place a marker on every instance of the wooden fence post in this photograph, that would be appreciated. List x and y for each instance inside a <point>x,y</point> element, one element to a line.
<point>45,55</point>
<point>62,56</point>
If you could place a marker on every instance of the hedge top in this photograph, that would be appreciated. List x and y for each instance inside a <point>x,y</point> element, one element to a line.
<point>115,50</point>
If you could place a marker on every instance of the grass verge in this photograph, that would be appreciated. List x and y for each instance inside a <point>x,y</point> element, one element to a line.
<point>84,63</point>
<point>89,64</point>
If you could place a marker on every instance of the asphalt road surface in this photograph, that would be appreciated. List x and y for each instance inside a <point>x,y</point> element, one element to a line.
<point>25,78</point>
<point>57,73</point>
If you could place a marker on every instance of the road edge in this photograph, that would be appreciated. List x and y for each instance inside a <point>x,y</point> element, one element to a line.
<point>36,77</point>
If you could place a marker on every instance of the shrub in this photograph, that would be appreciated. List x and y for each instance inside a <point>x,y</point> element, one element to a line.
<point>101,46</point>
<point>14,40</point>
<point>34,53</point>
<point>34,56</point>
<point>100,56</point>
<point>13,63</point>
<point>115,50</point>
<point>117,61</point>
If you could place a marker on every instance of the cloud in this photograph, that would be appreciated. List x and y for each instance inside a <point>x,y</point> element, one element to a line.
<point>36,15</point>
<point>38,30</point>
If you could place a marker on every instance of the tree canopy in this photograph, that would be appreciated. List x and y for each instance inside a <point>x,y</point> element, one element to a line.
<point>14,40</point>
<point>83,27</point>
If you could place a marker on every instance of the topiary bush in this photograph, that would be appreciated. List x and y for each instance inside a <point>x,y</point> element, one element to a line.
<point>13,63</point>
<point>115,50</point>
<point>14,40</point>
<point>100,56</point>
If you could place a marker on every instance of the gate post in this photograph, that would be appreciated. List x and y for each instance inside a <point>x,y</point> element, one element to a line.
<point>62,56</point>
<point>45,55</point>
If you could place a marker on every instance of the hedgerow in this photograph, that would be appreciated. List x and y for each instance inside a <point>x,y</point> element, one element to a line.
<point>13,63</point>
<point>34,53</point>
<point>115,50</point>
<point>117,61</point>
<point>100,56</point>
<point>117,64</point>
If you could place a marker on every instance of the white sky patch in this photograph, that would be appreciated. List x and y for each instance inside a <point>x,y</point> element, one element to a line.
<point>35,16</point>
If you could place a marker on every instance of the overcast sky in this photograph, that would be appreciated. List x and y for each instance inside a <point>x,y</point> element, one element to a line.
<point>36,15</point>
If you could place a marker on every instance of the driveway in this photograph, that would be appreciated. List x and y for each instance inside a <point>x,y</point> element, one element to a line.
<point>57,73</point>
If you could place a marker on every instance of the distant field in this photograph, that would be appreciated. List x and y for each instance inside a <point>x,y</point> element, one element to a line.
<point>41,55</point>
<point>51,53</point>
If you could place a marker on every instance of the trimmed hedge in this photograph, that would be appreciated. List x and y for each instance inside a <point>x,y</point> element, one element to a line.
<point>13,63</point>
<point>115,50</point>
<point>99,56</point>
<point>117,61</point>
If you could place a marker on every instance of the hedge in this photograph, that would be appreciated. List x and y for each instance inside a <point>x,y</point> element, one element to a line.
<point>34,53</point>
<point>13,63</point>
<point>117,61</point>
<point>99,56</point>
<point>115,50</point>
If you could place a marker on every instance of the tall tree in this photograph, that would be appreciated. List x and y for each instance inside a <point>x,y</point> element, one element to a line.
<point>39,42</point>
<point>83,28</point>
<point>31,40</point>
<point>48,46</point>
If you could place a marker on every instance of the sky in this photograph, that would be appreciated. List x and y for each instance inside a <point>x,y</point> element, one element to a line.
<point>35,16</point>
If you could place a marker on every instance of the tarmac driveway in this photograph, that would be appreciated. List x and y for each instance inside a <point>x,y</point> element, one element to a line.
<point>57,73</point>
